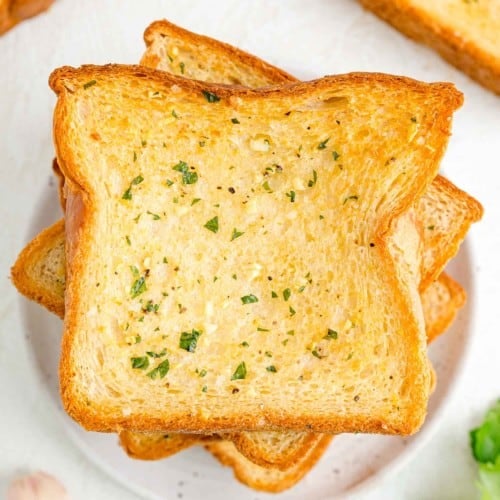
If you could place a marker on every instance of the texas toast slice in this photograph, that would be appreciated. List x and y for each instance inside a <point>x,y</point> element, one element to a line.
<point>257,161</point>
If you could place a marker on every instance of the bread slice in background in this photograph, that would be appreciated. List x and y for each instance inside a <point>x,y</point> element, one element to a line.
<point>465,33</point>
<point>278,122</point>
<point>14,11</point>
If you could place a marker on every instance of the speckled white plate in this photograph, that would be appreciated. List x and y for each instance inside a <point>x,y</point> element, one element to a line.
<point>351,464</point>
<point>325,37</point>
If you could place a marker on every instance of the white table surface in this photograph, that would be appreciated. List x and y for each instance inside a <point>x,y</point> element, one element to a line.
<point>308,38</point>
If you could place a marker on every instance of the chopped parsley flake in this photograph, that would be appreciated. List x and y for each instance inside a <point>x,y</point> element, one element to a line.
<point>160,371</point>
<point>413,119</point>
<point>431,228</point>
<point>189,340</point>
<point>160,354</point>
<point>127,195</point>
<point>143,142</point>
<point>135,156</point>
<point>313,181</point>
<point>316,354</point>
<point>174,114</point>
<point>322,144</point>
<point>267,187</point>
<point>138,287</point>
<point>240,372</point>
<point>245,344</point>
<point>249,299</point>
<point>140,363</point>
<point>188,176</point>
<point>332,334</point>
<point>291,195</point>
<point>236,234</point>
<point>212,225</point>
<point>235,120</point>
<point>274,295</point>
<point>169,182</point>
<point>204,388</point>
<point>155,216</point>
<point>138,338</point>
<point>335,155</point>
<point>290,332</point>
<point>89,84</point>
<point>127,239</point>
<point>271,369</point>
<point>195,201</point>
<point>287,293</point>
<point>210,96</point>
<point>150,307</point>
<point>259,329</point>
<point>292,311</point>
<point>182,66</point>
<point>202,373</point>
<point>268,354</point>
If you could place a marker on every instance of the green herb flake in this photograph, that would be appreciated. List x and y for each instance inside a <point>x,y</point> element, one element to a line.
<point>236,234</point>
<point>249,299</point>
<point>271,369</point>
<point>316,354</point>
<point>135,156</point>
<point>267,187</point>
<point>210,96</point>
<point>259,329</point>
<point>290,332</point>
<point>291,195</point>
<point>165,260</point>
<point>431,228</point>
<point>287,293</point>
<point>143,143</point>
<point>301,289</point>
<point>274,295</point>
<point>335,155</point>
<point>195,201</point>
<point>182,67</point>
<point>331,334</point>
<point>322,144</point>
<point>212,224</point>
<point>169,182</point>
<point>160,371</point>
<point>413,119</point>
<point>285,342</point>
<point>134,271</point>
<point>268,354</point>
<point>292,311</point>
<point>202,144</point>
<point>235,121</point>
<point>189,340</point>
<point>351,354</point>
<point>127,239</point>
<point>151,307</point>
<point>155,216</point>
<point>174,114</point>
<point>245,344</point>
<point>234,276</point>
<point>156,355</point>
<point>127,195</point>
<point>352,197</point>
<point>312,182</point>
<point>204,388</point>
<point>202,373</point>
<point>240,373</point>
<point>138,339</point>
<point>188,176</point>
<point>140,363</point>
<point>321,217</point>
<point>89,84</point>
<point>138,287</point>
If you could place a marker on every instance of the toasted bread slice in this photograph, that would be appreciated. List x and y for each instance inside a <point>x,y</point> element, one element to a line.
<point>154,446</point>
<point>14,11</point>
<point>446,214</point>
<point>465,33</point>
<point>267,479</point>
<point>441,303</point>
<point>271,125</point>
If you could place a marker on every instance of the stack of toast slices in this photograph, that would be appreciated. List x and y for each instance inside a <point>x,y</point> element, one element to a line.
<point>14,11</point>
<point>247,262</point>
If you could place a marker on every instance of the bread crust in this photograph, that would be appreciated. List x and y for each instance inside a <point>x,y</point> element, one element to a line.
<point>466,55</point>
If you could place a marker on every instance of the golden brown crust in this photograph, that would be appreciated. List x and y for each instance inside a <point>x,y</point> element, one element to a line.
<point>449,43</point>
<point>444,252</point>
<point>157,446</point>
<point>60,183</point>
<point>259,67</point>
<point>263,479</point>
<point>15,11</point>
<point>447,311</point>
<point>67,81</point>
<point>23,273</point>
<point>254,450</point>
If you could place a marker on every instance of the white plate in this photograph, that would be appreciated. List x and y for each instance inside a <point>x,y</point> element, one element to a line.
<point>351,464</point>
